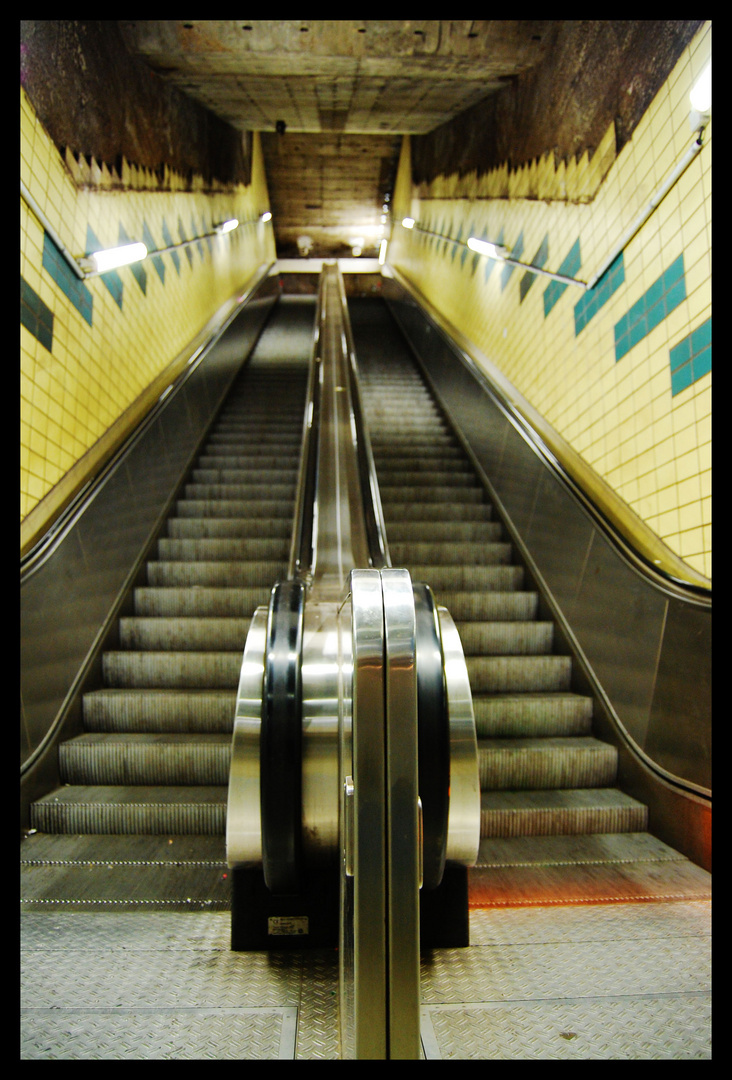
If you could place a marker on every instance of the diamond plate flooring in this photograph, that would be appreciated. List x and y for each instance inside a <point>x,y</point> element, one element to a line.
<point>621,981</point>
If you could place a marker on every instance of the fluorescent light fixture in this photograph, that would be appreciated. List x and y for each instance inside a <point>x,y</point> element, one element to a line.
<point>382,251</point>
<point>227,226</point>
<point>266,216</point>
<point>485,247</point>
<point>408,222</point>
<point>701,92</point>
<point>102,261</point>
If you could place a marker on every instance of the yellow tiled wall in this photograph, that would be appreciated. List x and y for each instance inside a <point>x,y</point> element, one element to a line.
<point>646,433</point>
<point>85,373</point>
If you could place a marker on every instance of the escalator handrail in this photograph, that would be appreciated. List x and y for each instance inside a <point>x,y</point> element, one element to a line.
<point>373,512</point>
<point>628,533</point>
<point>42,549</point>
<point>303,546</point>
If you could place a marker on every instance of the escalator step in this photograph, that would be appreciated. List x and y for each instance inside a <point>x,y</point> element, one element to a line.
<point>528,715</point>
<point>132,809</point>
<point>193,528</point>
<point>501,674</point>
<point>506,638</point>
<point>224,573</point>
<point>172,669</point>
<point>532,764</point>
<point>202,602</point>
<point>197,635</point>
<point>564,811</point>
<point>117,710</point>
<point>96,758</point>
<point>210,549</point>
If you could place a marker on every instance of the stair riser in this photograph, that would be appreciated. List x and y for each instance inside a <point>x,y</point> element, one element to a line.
<point>99,764</point>
<point>505,770</point>
<point>162,712</point>
<point>155,820</point>
<point>529,674</point>
<point>174,670</point>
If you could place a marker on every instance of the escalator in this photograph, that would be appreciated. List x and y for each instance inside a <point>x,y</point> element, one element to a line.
<point>140,816</point>
<point>555,826</point>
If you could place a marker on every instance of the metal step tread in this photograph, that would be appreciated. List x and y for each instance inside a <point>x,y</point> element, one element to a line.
<point>203,601</point>
<point>499,674</point>
<point>135,808</point>
<point>145,758</point>
<point>213,633</point>
<point>101,873</point>
<point>159,710</point>
<point>174,669</point>
<point>562,810</point>
<point>506,637</point>
<point>543,763</point>
<point>596,868</point>
<point>213,549</point>
<point>222,572</point>
<point>526,715</point>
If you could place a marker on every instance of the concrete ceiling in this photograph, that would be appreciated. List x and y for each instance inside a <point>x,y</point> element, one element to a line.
<point>332,98</point>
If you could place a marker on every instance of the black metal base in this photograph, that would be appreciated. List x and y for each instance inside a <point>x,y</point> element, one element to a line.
<point>260,920</point>
<point>443,912</point>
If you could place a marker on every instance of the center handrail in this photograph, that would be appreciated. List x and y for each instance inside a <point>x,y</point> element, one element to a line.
<point>373,513</point>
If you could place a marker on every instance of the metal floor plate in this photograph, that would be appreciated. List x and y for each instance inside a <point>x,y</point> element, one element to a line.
<point>622,981</point>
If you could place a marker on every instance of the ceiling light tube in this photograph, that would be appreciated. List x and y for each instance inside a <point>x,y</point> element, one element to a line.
<point>485,247</point>
<point>701,92</point>
<point>101,262</point>
<point>382,251</point>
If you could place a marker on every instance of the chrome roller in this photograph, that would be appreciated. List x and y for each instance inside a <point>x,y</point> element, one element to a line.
<point>284,788</point>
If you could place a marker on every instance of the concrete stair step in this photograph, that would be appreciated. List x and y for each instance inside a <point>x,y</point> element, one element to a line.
<point>170,758</point>
<point>150,710</point>
<point>540,763</point>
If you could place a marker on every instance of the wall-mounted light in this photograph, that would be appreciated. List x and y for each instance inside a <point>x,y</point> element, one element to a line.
<point>100,262</point>
<point>700,99</point>
<point>227,226</point>
<point>408,222</point>
<point>356,243</point>
<point>485,247</point>
<point>266,216</point>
